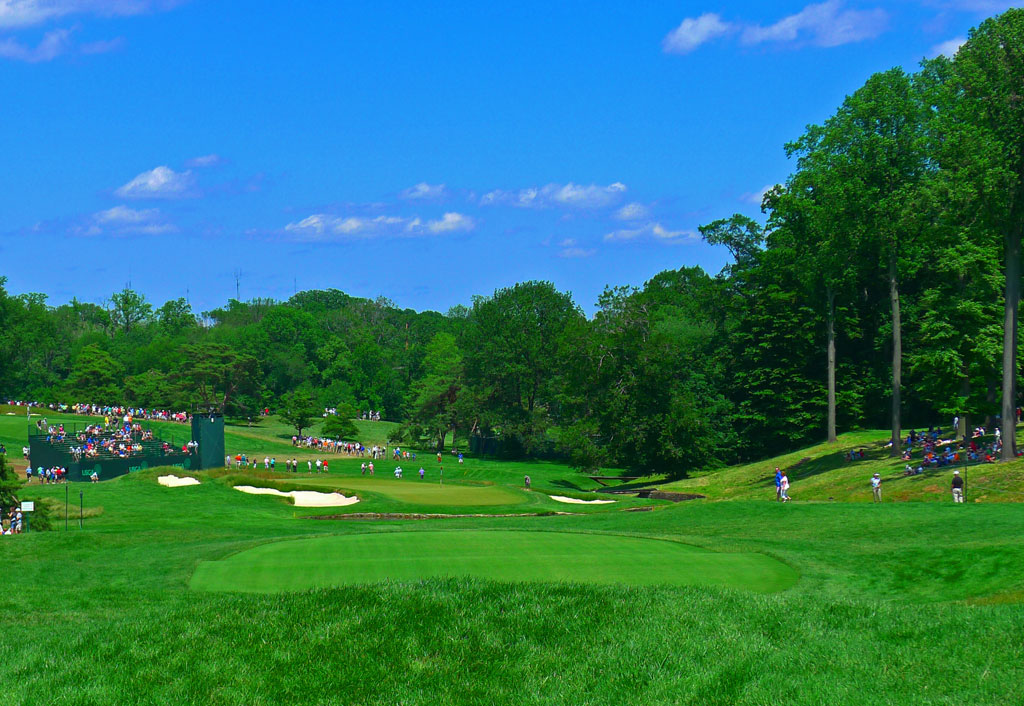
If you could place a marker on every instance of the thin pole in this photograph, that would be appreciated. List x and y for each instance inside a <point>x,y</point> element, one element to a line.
<point>81,511</point>
<point>65,504</point>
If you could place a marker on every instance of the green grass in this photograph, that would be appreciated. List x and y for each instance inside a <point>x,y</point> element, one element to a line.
<point>501,555</point>
<point>899,603</point>
<point>422,493</point>
<point>821,472</point>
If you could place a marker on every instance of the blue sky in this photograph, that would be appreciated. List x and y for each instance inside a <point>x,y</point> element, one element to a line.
<point>423,153</point>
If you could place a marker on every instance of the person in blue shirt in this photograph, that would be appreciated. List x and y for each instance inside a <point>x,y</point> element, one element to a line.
<point>778,484</point>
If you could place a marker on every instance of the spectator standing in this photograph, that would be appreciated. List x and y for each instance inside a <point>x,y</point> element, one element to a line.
<point>876,487</point>
<point>958,487</point>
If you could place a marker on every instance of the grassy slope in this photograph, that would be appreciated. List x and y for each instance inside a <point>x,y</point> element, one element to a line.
<point>504,555</point>
<point>899,603</point>
<point>882,600</point>
<point>821,472</point>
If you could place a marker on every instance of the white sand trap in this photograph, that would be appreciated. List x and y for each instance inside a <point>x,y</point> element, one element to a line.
<point>577,501</point>
<point>175,482</point>
<point>303,498</point>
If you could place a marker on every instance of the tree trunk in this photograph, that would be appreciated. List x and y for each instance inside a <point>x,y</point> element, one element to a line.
<point>1011,305</point>
<point>965,392</point>
<point>831,366</point>
<point>897,353</point>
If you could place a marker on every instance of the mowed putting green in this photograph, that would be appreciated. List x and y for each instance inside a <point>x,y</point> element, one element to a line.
<point>421,492</point>
<point>501,555</point>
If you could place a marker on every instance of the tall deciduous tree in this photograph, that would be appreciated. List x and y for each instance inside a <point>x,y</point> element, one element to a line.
<point>128,309</point>
<point>984,109</point>
<point>436,393</point>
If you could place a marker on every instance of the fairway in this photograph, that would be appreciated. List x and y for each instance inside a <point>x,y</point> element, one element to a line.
<point>423,492</point>
<point>500,555</point>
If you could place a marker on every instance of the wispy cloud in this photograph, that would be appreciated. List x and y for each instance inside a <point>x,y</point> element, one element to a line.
<point>570,250</point>
<point>633,212</point>
<point>693,32</point>
<point>159,183</point>
<point>757,197</point>
<point>52,45</point>
<point>15,14</point>
<point>949,47</point>
<point>824,24</point>
<point>569,195</point>
<point>206,160</point>
<point>451,222</point>
<point>122,220</point>
<point>425,191</point>
<point>652,231</point>
<point>323,226</point>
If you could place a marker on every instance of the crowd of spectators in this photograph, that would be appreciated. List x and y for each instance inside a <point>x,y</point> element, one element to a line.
<point>316,443</point>
<point>99,410</point>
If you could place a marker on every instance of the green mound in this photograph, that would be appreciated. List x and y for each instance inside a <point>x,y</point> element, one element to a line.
<point>499,555</point>
<point>421,492</point>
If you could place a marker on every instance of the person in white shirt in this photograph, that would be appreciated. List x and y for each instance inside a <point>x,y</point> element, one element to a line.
<point>876,487</point>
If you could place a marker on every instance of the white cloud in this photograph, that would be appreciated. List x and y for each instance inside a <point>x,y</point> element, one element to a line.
<point>694,31</point>
<point>159,183</point>
<point>949,47</point>
<point>757,197</point>
<point>569,195</point>
<point>26,13</point>
<point>652,230</point>
<point>122,220</point>
<point>824,24</point>
<point>423,190</point>
<point>633,212</point>
<point>451,222</point>
<point>323,226</point>
<point>52,45</point>
<point>123,214</point>
<point>575,253</point>
<point>206,160</point>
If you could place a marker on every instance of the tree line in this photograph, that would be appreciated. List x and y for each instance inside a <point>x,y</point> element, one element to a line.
<point>882,289</point>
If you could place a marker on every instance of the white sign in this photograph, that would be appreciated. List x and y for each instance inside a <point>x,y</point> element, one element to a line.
<point>28,506</point>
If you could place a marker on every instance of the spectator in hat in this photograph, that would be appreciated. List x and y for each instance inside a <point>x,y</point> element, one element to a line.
<point>958,487</point>
<point>876,487</point>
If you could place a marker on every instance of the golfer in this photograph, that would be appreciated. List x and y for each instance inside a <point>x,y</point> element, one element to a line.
<point>958,487</point>
<point>778,484</point>
<point>526,482</point>
<point>876,487</point>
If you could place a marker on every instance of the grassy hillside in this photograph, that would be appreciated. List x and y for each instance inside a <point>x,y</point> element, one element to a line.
<point>908,602</point>
<point>823,473</point>
<point>919,600</point>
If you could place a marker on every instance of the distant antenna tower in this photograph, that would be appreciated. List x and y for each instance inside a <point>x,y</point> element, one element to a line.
<point>295,285</point>
<point>238,279</point>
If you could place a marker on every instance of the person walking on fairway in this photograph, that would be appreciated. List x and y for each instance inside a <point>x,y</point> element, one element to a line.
<point>526,482</point>
<point>958,487</point>
<point>422,472</point>
<point>876,487</point>
<point>778,484</point>
<point>784,488</point>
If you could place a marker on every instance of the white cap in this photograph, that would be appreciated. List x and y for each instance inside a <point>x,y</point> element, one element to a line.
<point>956,473</point>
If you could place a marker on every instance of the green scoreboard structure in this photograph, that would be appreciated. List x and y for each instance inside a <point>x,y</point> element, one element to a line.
<point>208,432</point>
<point>170,449</point>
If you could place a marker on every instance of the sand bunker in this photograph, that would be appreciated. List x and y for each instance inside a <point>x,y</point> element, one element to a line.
<point>303,498</point>
<point>577,501</point>
<point>175,482</point>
